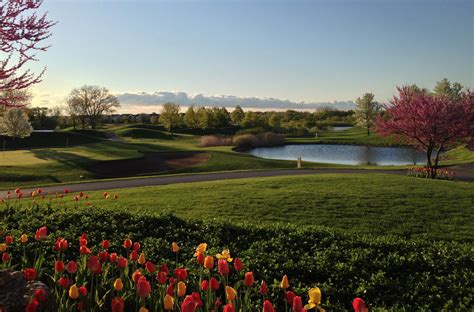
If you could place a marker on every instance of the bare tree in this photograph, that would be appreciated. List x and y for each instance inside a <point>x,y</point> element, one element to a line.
<point>90,103</point>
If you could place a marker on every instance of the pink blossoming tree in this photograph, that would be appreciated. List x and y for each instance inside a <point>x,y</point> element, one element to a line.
<point>430,122</point>
<point>22,32</point>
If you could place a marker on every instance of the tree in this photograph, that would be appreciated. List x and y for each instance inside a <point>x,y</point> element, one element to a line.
<point>366,111</point>
<point>453,91</point>
<point>221,117</point>
<point>154,119</point>
<point>16,98</point>
<point>170,117</point>
<point>22,32</point>
<point>204,118</point>
<point>237,115</point>
<point>15,124</point>
<point>431,122</point>
<point>191,118</point>
<point>274,120</point>
<point>90,103</point>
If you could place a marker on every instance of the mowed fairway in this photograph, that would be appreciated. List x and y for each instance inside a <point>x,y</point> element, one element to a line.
<point>354,203</point>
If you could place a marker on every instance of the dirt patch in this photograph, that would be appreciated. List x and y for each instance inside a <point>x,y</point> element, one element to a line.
<point>150,163</point>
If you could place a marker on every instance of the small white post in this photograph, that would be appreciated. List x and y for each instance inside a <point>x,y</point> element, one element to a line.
<point>298,163</point>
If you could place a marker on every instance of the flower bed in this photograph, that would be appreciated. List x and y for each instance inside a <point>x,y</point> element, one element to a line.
<point>424,172</point>
<point>387,272</point>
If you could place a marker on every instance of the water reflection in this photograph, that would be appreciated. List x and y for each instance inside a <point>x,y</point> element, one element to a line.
<point>343,154</point>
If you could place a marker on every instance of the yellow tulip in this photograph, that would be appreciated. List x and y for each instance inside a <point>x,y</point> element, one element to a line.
<point>284,282</point>
<point>230,293</point>
<point>174,247</point>
<point>118,285</point>
<point>3,247</point>
<point>74,292</point>
<point>24,238</point>
<point>201,248</point>
<point>143,309</point>
<point>142,259</point>
<point>168,303</point>
<point>314,298</point>
<point>181,289</point>
<point>224,255</point>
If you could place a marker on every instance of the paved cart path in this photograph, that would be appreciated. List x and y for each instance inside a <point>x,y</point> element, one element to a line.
<point>463,172</point>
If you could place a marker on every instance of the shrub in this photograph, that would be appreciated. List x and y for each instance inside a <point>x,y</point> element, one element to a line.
<point>214,140</point>
<point>259,140</point>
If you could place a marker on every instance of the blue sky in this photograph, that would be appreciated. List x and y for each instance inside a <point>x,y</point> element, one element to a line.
<point>311,51</point>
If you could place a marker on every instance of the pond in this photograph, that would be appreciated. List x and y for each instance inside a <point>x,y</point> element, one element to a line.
<point>343,154</point>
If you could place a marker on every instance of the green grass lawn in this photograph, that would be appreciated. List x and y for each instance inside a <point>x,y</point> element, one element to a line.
<point>56,164</point>
<point>352,203</point>
<point>354,135</point>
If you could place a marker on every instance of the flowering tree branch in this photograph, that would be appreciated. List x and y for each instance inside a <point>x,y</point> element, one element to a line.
<point>22,32</point>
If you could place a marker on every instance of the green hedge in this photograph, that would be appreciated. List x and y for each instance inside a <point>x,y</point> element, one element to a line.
<point>389,272</point>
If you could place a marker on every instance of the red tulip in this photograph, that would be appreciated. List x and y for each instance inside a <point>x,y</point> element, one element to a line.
<point>118,304</point>
<point>63,244</point>
<point>238,264</point>
<point>64,282</point>
<point>29,274</point>
<point>33,306</point>
<point>161,277</point>
<point>82,241</point>
<point>249,279</point>
<point>71,267</point>
<point>229,308</point>
<point>41,233</point>
<point>5,257</point>
<point>150,267</point>
<point>94,265</point>
<point>189,304</point>
<point>289,295</point>
<point>127,244</point>
<point>8,239</point>
<point>263,288</point>
<point>214,284</point>
<point>268,307</point>
<point>83,291</point>
<point>197,298</point>
<point>297,304</point>
<point>359,305</point>
<point>200,258</point>
<point>40,295</point>
<point>164,268</point>
<point>103,256</point>
<point>204,285</point>
<point>105,244</point>
<point>143,287</point>
<point>59,266</point>
<point>134,255</point>
<point>218,303</point>
<point>136,246</point>
<point>223,267</point>
<point>83,250</point>
<point>181,274</point>
<point>113,257</point>
<point>170,290</point>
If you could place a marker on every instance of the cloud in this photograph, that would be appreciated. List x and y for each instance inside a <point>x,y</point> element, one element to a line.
<point>157,98</point>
